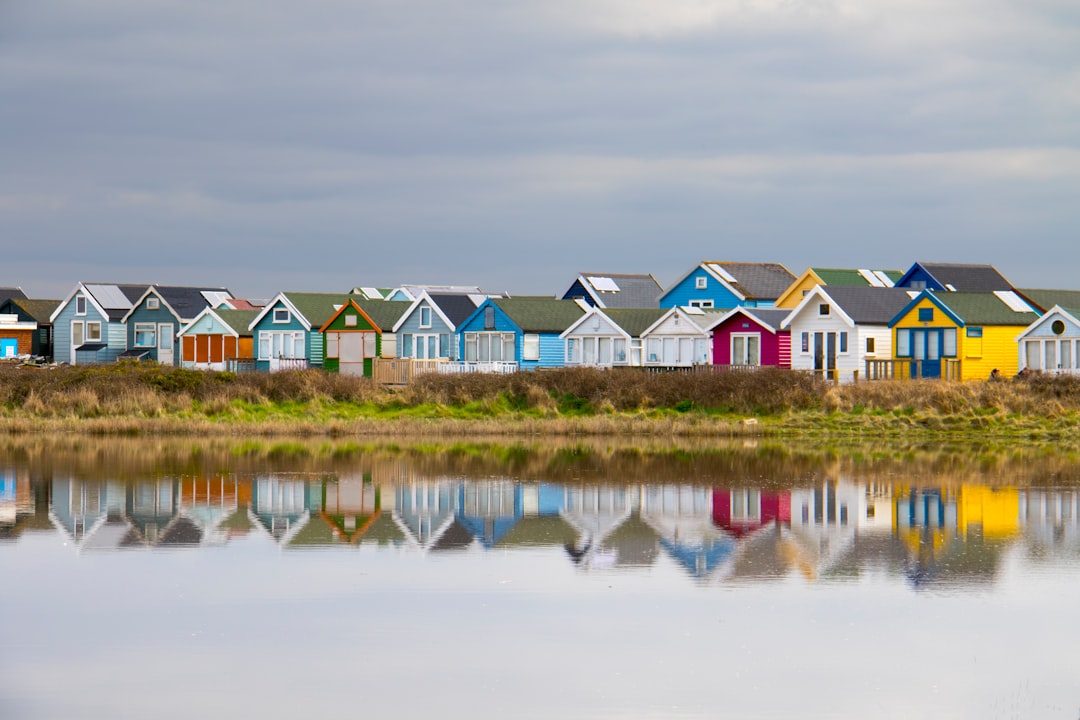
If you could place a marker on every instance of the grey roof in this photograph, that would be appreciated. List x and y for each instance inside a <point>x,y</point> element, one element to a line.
<point>758,281</point>
<point>967,277</point>
<point>768,316</point>
<point>869,305</point>
<point>7,293</point>
<point>115,299</point>
<point>634,290</point>
<point>455,306</point>
<point>187,302</point>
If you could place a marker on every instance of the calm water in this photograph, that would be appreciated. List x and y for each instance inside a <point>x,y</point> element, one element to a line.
<point>179,580</point>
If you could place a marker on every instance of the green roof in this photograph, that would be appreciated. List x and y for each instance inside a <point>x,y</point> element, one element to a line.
<point>39,310</point>
<point>851,277</point>
<point>635,321</point>
<point>1047,299</point>
<point>984,309</point>
<point>317,308</point>
<point>316,532</point>
<point>540,315</point>
<point>384,531</point>
<point>539,531</point>
<point>384,313</point>
<point>238,320</point>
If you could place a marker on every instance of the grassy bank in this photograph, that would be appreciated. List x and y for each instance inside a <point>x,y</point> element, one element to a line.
<point>145,398</point>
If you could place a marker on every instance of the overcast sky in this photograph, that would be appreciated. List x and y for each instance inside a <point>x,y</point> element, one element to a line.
<point>323,144</point>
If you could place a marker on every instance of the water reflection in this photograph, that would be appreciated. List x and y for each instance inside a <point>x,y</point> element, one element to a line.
<point>827,530</point>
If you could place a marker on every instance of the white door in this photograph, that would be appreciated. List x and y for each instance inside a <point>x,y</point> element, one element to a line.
<point>76,337</point>
<point>166,343</point>
<point>351,353</point>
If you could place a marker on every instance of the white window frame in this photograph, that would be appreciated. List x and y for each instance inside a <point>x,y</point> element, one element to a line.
<point>285,339</point>
<point>350,320</point>
<point>281,316</point>
<point>530,347</point>
<point>746,338</point>
<point>91,335</point>
<point>143,328</point>
<point>706,304</point>
<point>425,316</point>
<point>80,305</point>
<point>701,282</point>
<point>152,303</point>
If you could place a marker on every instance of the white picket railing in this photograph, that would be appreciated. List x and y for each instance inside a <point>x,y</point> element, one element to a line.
<point>461,368</point>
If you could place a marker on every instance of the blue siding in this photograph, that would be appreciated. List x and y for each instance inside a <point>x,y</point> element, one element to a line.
<point>411,326</point>
<point>142,314</point>
<point>577,290</point>
<point>314,348</point>
<point>475,323</point>
<point>552,352</point>
<point>111,333</point>
<point>267,324</point>
<point>682,293</point>
<point>917,274</point>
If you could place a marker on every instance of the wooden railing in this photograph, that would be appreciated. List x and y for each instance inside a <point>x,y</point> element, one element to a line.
<point>401,371</point>
<point>280,364</point>
<point>892,369</point>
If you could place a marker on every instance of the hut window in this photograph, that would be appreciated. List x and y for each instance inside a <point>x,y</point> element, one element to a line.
<point>1057,327</point>
<point>926,314</point>
<point>489,318</point>
<point>701,303</point>
<point>93,332</point>
<point>869,344</point>
<point>152,303</point>
<point>281,315</point>
<point>350,321</point>
<point>145,335</point>
<point>823,309</point>
<point>530,347</point>
<point>949,343</point>
<point>973,332</point>
<point>80,305</point>
<point>805,342</point>
<point>843,342</point>
<point>701,282</point>
<point>425,317</point>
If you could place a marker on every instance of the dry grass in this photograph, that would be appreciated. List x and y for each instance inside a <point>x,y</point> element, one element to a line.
<point>146,398</point>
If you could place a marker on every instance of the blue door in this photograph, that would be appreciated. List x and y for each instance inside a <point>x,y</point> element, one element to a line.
<point>9,347</point>
<point>926,346</point>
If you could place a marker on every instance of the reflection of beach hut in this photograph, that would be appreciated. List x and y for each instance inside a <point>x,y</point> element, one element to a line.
<point>488,509</point>
<point>424,510</point>
<point>742,511</point>
<point>281,504</point>
<point>682,517</point>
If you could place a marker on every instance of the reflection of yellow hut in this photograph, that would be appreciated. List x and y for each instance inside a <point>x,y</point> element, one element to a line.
<point>995,510</point>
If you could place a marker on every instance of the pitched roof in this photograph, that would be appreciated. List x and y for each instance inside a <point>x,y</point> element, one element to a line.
<point>984,309</point>
<point>116,300</point>
<point>317,308</point>
<point>635,320</point>
<point>238,320</point>
<point>384,313</point>
<point>869,305</point>
<point>188,302</point>
<point>960,277</point>
<point>1046,299</point>
<point>768,316</point>
<point>11,292</point>
<point>622,290</point>
<point>540,314</point>
<point>39,310</point>
<point>455,306</point>
<point>854,277</point>
<point>757,281</point>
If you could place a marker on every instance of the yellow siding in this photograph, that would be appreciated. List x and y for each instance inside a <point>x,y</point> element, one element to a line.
<point>795,294</point>
<point>911,320</point>
<point>998,349</point>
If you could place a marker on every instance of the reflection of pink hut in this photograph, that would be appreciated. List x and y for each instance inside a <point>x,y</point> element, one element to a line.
<point>743,511</point>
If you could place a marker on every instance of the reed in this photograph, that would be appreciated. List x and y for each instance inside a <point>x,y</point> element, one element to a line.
<point>142,398</point>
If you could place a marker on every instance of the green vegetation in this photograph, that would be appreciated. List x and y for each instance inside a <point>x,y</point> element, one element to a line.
<point>143,398</point>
